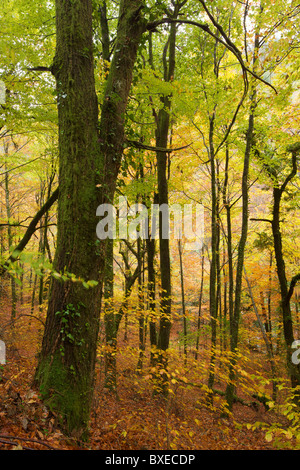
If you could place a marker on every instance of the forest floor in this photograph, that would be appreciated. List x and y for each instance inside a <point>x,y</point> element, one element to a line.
<point>135,419</point>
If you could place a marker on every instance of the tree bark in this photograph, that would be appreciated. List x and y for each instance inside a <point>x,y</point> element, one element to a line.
<point>90,156</point>
<point>150,246</point>
<point>285,292</point>
<point>234,338</point>
<point>240,264</point>
<point>266,340</point>
<point>183,303</point>
<point>110,320</point>
<point>227,206</point>
<point>213,306</point>
<point>10,239</point>
<point>162,134</point>
<point>200,304</point>
<point>65,373</point>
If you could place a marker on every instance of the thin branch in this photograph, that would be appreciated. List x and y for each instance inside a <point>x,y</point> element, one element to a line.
<point>39,69</point>
<point>139,145</point>
<point>294,149</point>
<point>26,439</point>
<point>29,232</point>
<point>294,281</point>
<point>262,220</point>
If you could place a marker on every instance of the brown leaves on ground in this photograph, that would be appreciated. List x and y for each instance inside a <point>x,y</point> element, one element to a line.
<point>133,419</point>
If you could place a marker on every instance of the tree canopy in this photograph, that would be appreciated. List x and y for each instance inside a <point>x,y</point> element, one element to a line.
<point>186,107</point>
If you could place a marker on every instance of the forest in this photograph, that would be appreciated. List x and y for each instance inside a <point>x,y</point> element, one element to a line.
<point>149,225</point>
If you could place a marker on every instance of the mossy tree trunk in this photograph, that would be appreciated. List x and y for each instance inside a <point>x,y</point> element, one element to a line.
<point>162,139</point>
<point>65,371</point>
<point>90,156</point>
<point>287,319</point>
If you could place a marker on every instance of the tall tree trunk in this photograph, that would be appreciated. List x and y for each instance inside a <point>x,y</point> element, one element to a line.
<point>213,305</point>
<point>150,246</point>
<point>44,237</point>
<point>266,340</point>
<point>240,262</point>
<point>269,319</point>
<point>109,314</point>
<point>225,303</point>
<point>88,168</point>
<point>10,238</point>
<point>227,205</point>
<point>162,135</point>
<point>234,337</point>
<point>141,313</point>
<point>200,303</point>
<point>288,329</point>
<point>35,281</point>
<point>183,303</point>
<point>65,372</point>
<point>110,320</point>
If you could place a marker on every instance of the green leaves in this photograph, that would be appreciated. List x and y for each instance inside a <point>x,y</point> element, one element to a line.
<point>41,266</point>
<point>28,40</point>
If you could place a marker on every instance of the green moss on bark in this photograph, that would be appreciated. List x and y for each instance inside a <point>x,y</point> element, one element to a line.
<point>65,394</point>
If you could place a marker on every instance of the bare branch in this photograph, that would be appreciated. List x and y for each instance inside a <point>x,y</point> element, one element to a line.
<point>139,145</point>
